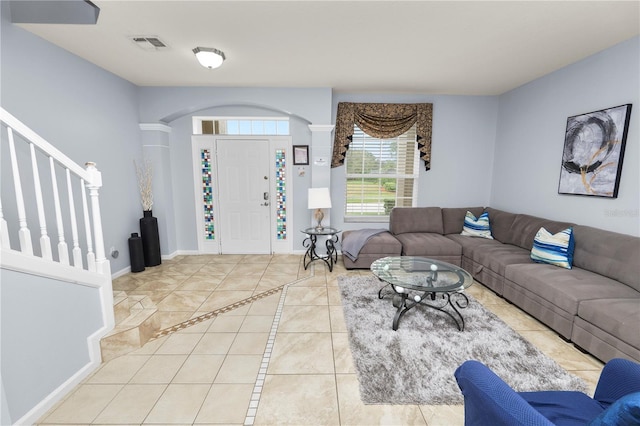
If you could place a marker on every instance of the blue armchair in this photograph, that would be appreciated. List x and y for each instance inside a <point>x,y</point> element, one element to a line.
<point>488,400</point>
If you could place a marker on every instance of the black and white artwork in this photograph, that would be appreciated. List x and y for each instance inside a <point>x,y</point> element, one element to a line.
<point>593,151</point>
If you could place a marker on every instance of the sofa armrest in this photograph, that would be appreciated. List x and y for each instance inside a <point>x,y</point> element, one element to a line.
<point>619,377</point>
<point>488,400</point>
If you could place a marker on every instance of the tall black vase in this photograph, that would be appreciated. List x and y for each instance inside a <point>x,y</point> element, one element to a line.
<point>136,253</point>
<point>150,239</point>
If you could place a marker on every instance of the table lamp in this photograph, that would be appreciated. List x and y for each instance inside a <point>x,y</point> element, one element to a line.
<point>319,198</point>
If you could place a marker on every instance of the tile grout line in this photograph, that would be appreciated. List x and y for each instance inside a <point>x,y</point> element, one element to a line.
<point>193,321</point>
<point>266,357</point>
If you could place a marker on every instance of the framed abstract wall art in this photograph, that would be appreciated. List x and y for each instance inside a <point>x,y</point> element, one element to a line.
<point>593,152</point>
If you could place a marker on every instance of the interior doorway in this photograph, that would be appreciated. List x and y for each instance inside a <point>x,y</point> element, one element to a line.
<point>242,193</point>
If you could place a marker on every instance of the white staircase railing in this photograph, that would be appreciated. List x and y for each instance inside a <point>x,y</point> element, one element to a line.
<point>53,194</point>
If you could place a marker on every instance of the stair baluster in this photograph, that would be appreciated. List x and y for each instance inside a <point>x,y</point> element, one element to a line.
<point>24,234</point>
<point>45,242</point>
<point>76,252</point>
<point>63,251</point>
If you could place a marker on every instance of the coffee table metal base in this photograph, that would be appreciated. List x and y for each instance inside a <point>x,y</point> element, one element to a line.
<point>431,299</point>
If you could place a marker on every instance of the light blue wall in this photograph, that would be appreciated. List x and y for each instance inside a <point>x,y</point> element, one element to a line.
<point>169,103</point>
<point>87,113</point>
<point>177,106</point>
<point>45,325</point>
<point>462,146</point>
<point>530,137</point>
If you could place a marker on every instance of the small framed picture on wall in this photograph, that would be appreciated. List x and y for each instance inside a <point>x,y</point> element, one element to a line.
<point>301,155</point>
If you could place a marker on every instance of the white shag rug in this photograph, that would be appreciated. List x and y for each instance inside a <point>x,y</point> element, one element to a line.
<point>415,364</point>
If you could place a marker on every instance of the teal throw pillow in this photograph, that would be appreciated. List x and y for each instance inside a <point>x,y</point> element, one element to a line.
<point>479,227</point>
<point>555,249</point>
<point>623,412</point>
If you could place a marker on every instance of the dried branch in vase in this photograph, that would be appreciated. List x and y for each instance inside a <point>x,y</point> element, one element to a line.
<point>144,173</point>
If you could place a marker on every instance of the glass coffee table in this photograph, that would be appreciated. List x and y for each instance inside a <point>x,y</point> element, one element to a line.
<point>421,281</point>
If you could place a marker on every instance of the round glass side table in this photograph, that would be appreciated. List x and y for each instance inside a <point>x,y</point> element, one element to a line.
<point>310,243</point>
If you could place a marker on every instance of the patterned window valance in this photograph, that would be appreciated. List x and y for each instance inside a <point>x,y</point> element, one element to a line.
<point>382,121</point>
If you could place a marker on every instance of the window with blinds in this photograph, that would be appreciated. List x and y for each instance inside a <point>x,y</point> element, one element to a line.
<point>381,174</point>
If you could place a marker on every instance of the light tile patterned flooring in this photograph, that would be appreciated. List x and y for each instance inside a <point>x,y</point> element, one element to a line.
<point>289,349</point>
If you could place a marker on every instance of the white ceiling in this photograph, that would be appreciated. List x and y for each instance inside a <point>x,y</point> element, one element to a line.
<point>436,47</point>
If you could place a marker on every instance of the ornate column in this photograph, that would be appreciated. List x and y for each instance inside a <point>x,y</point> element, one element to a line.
<point>156,148</point>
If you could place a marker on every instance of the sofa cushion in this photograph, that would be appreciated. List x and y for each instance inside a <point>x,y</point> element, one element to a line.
<point>619,317</point>
<point>415,219</point>
<point>555,249</point>
<point>524,228</point>
<point>497,257</point>
<point>477,227</point>
<point>428,245</point>
<point>453,218</point>
<point>383,244</point>
<point>608,253</point>
<point>501,222</point>
<point>376,247</point>
<point>604,346</point>
<point>469,244</point>
<point>565,288</point>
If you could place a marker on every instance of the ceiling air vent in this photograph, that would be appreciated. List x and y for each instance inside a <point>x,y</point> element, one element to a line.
<point>148,43</point>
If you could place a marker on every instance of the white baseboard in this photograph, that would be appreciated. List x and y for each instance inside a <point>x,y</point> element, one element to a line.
<point>95,359</point>
<point>180,253</point>
<point>121,272</point>
<point>170,256</point>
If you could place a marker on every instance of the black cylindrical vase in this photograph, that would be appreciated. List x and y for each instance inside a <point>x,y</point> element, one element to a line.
<point>150,239</point>
<point>136,253</point>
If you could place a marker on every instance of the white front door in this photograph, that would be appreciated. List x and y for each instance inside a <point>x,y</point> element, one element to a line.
<point>244,195</point>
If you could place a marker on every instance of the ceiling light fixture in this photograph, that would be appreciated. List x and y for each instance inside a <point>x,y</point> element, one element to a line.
<point>209,57</point>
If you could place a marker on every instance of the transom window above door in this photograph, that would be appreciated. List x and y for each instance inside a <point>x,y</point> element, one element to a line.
<point>380,174</point>
<point>244,126</point>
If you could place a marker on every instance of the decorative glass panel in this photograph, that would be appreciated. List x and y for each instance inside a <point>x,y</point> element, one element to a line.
<point>281,195</point>
<point>207,194</point>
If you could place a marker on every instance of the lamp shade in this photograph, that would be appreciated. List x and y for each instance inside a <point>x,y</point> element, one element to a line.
<point>209,57</point>
<point>319,198</point>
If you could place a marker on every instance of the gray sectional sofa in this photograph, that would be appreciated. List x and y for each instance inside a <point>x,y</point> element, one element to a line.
<point>596,304</point>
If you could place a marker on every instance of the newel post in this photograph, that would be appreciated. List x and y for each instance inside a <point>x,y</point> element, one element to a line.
<point>93,185</point>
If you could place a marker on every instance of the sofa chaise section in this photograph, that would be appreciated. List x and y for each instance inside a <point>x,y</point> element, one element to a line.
<point>376,247</point>
<point>420,231</point>
<point>553,295</point>
<point>616,334</point>
<point>608,327</point>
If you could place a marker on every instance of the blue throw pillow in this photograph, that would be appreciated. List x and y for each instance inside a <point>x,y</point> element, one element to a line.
<point>479,227</point>
<point>623,412</point>
<point>555,249</point>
